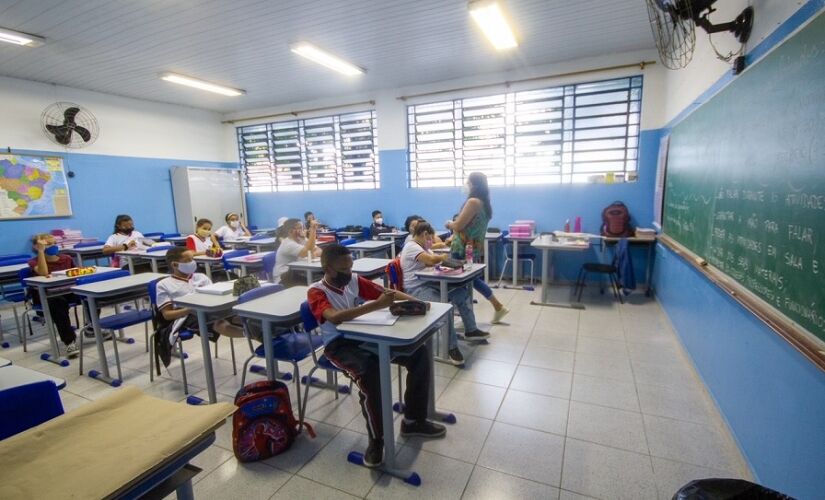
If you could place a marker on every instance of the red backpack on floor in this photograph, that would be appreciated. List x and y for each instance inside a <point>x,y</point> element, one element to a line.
<point>616,220</point>
<point>264,425</point>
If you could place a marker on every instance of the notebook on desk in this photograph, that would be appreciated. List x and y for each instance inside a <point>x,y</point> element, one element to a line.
<point>379,318</point>
<point>221,288</point>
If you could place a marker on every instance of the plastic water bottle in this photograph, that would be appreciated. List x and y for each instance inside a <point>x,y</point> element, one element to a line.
<point>577,227</point>
<point>468,256</point>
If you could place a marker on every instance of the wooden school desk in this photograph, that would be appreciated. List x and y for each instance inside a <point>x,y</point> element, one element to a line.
<point>406,331</point>
<point>120,446</point>
<point>117,291</point>
<point>59,284</point>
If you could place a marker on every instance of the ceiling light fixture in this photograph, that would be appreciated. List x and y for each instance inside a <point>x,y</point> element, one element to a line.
<point>324,58</point>
<point>18,38</point>
<point>200,84</point>
<point>490,18</point>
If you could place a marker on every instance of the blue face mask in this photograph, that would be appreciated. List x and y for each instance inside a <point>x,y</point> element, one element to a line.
<point>52,250</point>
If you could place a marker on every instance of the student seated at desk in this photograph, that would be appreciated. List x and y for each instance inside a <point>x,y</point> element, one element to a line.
<point>233,229</point>
<point>409,226</point>
<point>415,257</point>
<point>124,238</point>
<point>183,281</point>
<point>203,239</point>
<point>341,296</point>
<point>293,246</point>
<point>48,260</point>
<point>378,225</point>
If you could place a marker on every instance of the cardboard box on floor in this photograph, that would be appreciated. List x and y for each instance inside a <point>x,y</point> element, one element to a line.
<point>96,450</point>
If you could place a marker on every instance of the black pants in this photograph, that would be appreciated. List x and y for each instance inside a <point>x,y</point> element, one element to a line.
<point>361,366</point>
<point>59,309</point>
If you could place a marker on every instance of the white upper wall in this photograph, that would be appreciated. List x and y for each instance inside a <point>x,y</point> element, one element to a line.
<point>392,112</point>
<point>685,85</point>
<point>128,127</point>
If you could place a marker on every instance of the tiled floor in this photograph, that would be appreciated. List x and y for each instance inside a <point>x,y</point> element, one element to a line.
<point>599,403</point>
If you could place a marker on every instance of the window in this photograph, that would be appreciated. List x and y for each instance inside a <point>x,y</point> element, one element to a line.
<point>327,153</point>
<point>568,134</point>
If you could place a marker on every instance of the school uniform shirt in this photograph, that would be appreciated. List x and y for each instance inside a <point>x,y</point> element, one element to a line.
<point>62,263</point>
<point>288,251</point>
<point>227,233</point>
<point>197,245</point>
<point>173,287</point>
<point>410,264</point>
<point>322,296</point>
<point>117,240</point>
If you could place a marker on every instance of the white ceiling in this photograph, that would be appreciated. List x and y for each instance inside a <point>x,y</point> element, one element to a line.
<point>120,47</point>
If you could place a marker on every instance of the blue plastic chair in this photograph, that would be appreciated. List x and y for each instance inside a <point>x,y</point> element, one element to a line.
<point>310,325</point>
<point>117,321</point>
<point>21,295</point>
<point>164,236</point>
<point>508,258</point>
<point>261,236</point>
<point>269,265</point>
<point>366,233</point>
<point>182,336</point>
<point>14,256</point>
<point>10,261</point>
<point>347,242</point>
<point>27,406</point>
<point>159,248</point>
<point>87,244</point>
<point>289,347</point>
<point>228,266</point>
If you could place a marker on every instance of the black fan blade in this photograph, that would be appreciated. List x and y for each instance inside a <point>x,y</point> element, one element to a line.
<point>83,133</point>
<point>69,114</point>
<point>62,133</point>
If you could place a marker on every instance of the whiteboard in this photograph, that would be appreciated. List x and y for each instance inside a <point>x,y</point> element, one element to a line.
<point>206,193</point>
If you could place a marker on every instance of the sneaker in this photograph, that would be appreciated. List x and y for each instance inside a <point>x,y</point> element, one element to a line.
<point>500,314</point>
<point>476,335</point>
<point>422,428</point>
<point>89,333</point>
<point>374,456</point>
<point>72,351</point>
<point>456,357</point>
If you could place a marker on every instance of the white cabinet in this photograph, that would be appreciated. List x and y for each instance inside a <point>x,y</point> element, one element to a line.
<point>206,193</point>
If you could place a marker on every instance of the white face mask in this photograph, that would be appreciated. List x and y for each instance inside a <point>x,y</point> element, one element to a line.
<point>234,224</point>
<point>187,267</point>
<point>379,221</point>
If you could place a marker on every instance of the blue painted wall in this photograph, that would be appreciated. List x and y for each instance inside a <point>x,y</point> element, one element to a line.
<point>771,396</point>
<point>103,187</point>
<point>550,205</point>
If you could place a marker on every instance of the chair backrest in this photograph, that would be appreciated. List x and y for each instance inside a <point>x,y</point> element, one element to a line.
<point>152,286</point>
<point>252,228</point>
<point>257,293</point>
<point>157,234</point>
<point>347,242</point>
<point>86,244</point>
<point>14,260</point>
<point>29,405</point>
<point>108,275</point>
<point>310,323</point>
<point>231,255</point>
<point>261,236</point>
<point>396,274</point>
<point>366,233</point>
<point>269,264</point>
<point>14,256</point>
<point>169,235</point>
<point>159,248</point>
<point>24,273</point>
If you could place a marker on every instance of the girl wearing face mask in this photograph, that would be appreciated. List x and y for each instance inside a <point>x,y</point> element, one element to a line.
<point>203,239</point>
<point>293,246</point>
<point>233,229</point>
<point>125,237</point>
<point>470,227</point>
<point>48,260</point>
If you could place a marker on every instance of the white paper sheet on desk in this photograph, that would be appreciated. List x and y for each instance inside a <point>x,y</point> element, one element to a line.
<point>220,288</point>
<point>380,318</point>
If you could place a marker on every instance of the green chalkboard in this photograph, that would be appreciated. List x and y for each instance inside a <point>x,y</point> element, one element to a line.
<point>745,186</point>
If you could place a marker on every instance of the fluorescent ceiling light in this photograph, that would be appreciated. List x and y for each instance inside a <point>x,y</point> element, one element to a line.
<point>490,19</point>
<point>18,38</point>
<point>200,84</point>
<point>323,58</point>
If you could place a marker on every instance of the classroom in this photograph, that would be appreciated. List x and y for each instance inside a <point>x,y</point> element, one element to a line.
<point>561,250</point>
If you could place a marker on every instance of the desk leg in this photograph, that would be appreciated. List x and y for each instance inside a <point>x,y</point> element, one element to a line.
<point>54,356</point>
<point>309,277</point>
<point>154,263</point>
<point>78,259</point>
<point>487,260</point>
<point>434,414</point>
<point>131,264</point>
<point>648,269</point>
<point>203,328</point>
<point>103,375</point>
<point>208,268</point>
<point>392,248</point>
<point>441,354</point>
<point>515,262</point>
<point>546,273</point>
<point>270,359</point>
